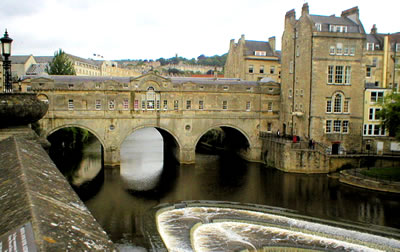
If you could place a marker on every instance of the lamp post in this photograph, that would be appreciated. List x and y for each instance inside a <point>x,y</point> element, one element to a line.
<point>6,52</point>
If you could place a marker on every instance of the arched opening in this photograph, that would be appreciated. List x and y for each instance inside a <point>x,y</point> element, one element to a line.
<point>223,140</point>
<point>146,156</point>
<point>78,154</point>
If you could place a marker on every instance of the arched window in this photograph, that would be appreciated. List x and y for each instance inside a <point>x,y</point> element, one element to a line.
<point>337,107</point>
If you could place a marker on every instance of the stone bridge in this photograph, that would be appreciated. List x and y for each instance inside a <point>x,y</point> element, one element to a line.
<point>112,108</point>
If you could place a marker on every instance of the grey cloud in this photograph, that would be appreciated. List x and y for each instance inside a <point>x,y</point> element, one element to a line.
<point>16,8</point>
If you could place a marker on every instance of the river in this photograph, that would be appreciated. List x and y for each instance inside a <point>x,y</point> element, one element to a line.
<point>119,209</point>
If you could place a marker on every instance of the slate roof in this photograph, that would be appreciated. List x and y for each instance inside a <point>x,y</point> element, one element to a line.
<point>19,59</point>
<point>36,69</point>
<point>43,59</point>
<point>325,21</point>
<point>252,46</point>
<point>74,78</point>
<point>213,81</point>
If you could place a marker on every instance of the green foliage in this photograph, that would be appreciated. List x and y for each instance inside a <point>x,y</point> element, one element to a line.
<point>215,60</point>
<point>388,173</point>
<point>390,114</point>
<point>60,65</point>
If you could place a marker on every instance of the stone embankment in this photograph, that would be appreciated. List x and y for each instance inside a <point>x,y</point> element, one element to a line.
<point>355,178</point>
<point>39,210</point>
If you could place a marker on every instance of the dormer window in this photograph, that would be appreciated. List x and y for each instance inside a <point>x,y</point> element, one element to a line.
<point>318,26</point>
<point>260,53</point>
<point>337,28</point>
<point>370,46</point>
<point>398,47</point>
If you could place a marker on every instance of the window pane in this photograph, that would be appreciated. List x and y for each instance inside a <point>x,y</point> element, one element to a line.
<point>328,106</point>
<point>339,74</point>
<point>328,126</point>
<point>336,126</point>
<point>338,104</point>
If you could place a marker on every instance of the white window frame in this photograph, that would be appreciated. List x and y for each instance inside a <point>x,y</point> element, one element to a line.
<point>248,106</point>
<point>165,104</point>
<point>71,105</point>
<point>125,104</point>
<point>98,104</point>
<point>188,104</point>
<point>329,106</point>
<point>328,126</point>
<point>201,104</point>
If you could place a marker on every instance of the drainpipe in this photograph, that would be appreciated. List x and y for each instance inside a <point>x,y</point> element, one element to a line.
<point>311,83</point>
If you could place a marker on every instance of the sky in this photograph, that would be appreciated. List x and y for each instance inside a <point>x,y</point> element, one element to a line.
<point>151,29</point>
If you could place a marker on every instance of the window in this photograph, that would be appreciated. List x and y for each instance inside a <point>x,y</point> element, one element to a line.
<point>373,114</point>
<point>97,85</point>
<point>251,69</point>
<point>377,96</point>
<point>260,53</point>
<point>346,106</point>
<point>370,46</point>
<point>347,77</point>
<point>269,127</point>
<point>374,130</point>
<point>337,108</point>
<point>318,26</point>
<point>248,106</point>
<point>261,69</point>
<point>176,105</point>
<point>330,74</point>
<point>336,126</point>
<point>225,88</point>
<point>269,106</point>
<point>98,104</point>
<point>337,28</point>
<point>346,51</point>
<point>70,85</point>
<point>345,126</point>
<point>165,104</point>
<point>328,126</point>
<point>125,104</point>
<point>70,104</point>
<point>290,93</point>
<point>201,104</point>
<point>136,104</point>
<point>332,50</point>
<point>158,104</point>
<point>291,67</point>
<point>272,70</point>
<point>111,104</point>
<point>188,104</point>
<point>224,104</point>
<point>329,106</point>
<point>339,49</point>
<point>368,72</point>
<point>143,104</point>
<point>150,104</point>
<point>339,75</point>
<point>397,47</point>
<point>374,62</point>
<point>352,51</point>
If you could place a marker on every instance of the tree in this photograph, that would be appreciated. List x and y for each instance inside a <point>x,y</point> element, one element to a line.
<point>390,113</point>
<point>60,65</point>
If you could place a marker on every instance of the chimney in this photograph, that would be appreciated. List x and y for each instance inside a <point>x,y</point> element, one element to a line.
<point>305,9</point>
<point>374,29</point>
<point>352,14</point>
<point>271,42</point>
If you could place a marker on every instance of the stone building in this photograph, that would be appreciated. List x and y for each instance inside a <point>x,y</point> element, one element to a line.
<point>382,75</point>
<point>253,60</point>
<point>322,87</point>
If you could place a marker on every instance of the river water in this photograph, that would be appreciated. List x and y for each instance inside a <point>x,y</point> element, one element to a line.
<point>119,207</point>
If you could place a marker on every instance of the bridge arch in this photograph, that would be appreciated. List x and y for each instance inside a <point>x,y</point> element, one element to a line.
<point>101,140</point>
<point>243,132</point>
<point>175,137</point>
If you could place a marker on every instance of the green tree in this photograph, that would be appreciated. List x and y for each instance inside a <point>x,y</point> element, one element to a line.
<point>390,113</point>
<point>60,65</point>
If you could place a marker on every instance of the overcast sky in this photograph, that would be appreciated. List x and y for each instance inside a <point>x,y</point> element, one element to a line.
<point>150,29</point>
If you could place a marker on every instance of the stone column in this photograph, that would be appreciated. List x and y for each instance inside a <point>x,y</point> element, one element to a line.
<point>187,155</point>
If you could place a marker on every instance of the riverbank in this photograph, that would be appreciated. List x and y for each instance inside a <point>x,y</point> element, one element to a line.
<point>356,178</point>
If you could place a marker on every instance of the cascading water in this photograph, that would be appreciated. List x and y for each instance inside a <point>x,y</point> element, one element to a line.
<point>228,229</point>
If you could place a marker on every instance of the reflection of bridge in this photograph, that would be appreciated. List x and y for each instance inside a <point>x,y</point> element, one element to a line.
<point>186,108</point>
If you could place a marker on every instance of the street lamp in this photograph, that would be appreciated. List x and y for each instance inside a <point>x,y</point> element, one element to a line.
<point>6,52</point>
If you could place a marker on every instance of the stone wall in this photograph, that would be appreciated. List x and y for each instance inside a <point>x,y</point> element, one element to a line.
<point>37,202</point>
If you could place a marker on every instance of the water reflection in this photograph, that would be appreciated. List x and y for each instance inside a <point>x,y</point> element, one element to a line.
<point>90,165</point>
<point>212,178</point>
<point>142,159</point>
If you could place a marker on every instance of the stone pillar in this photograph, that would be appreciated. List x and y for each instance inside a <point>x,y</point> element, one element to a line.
<point>253,154</point>
<point>187,155</point>
<point>112,156</point>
